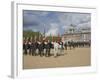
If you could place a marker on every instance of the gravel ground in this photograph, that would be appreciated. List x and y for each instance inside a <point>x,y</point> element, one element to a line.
<point>71,58</point>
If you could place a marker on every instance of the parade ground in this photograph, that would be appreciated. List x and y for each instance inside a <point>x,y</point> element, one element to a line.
<point>71,58</point>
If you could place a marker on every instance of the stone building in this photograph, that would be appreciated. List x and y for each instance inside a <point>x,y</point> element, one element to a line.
<point>83,34</point>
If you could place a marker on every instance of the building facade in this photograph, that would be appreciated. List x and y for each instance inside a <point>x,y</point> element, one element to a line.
<point>77,35</point>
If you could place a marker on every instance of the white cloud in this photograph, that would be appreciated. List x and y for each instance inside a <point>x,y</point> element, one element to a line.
<point>85,25</point>
<point>74,18</point>
<point>54,23</point>
<point>65,27</point>
<point>53,29</point>
<point>44,13</point>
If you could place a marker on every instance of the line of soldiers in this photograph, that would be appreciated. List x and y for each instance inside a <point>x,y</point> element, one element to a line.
<point>34,48</point>
<point>74,44</point>
<point>44,47</point>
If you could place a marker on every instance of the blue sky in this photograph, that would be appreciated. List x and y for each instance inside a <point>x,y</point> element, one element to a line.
<point>54,22</point>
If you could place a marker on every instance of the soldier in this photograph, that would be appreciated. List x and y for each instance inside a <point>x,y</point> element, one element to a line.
<point>56,46</point>
<point>25,47</point>
<point>61,47</point>
<point>73,44</point>
<point>37,49</point>
<point>66,45</point>
<point>44,48</point>
<point>48,47</point>
<point>33,48</point>
<point>40,47</point>
<point>69,44</point>
<point>30,47</point>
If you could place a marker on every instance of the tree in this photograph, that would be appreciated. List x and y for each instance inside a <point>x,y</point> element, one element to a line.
<point>30,34</point>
